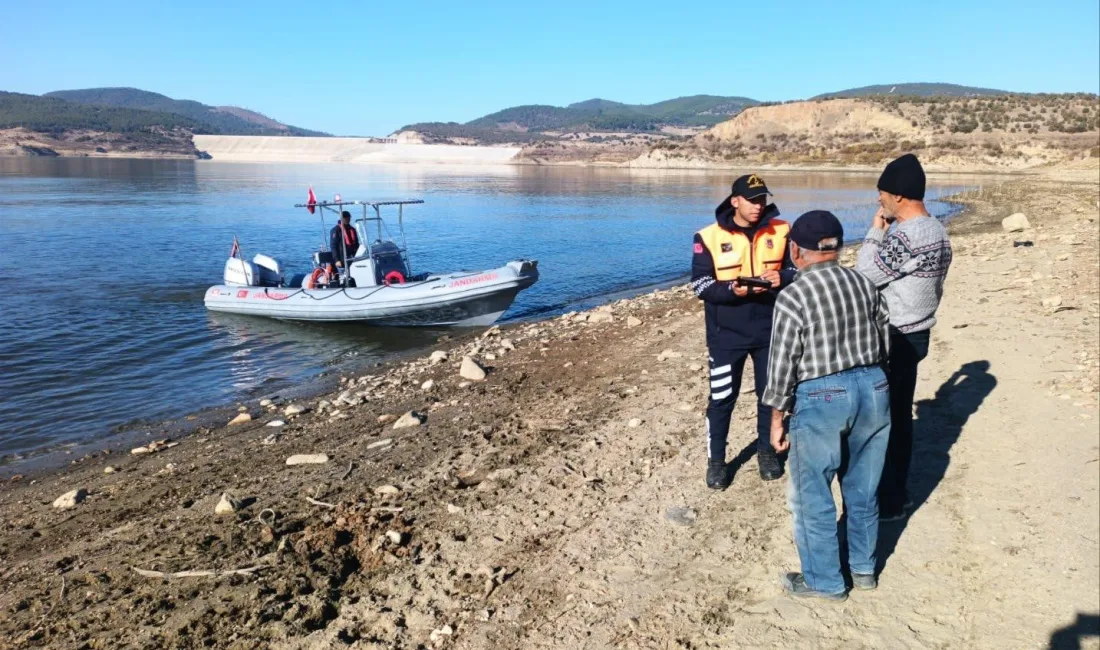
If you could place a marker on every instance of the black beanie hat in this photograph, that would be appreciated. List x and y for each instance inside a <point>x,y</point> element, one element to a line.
<point>904,177</point>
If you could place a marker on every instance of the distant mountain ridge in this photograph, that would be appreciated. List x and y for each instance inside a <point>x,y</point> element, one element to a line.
<point>225,120</point>
<point>526,123</point>
<point>53,114</point>
<point>35,125</point>
<point>121,122</point>
<point>254,117</point>
<point>605,115</point>
<point>596,115</point>
<point>914,90</point>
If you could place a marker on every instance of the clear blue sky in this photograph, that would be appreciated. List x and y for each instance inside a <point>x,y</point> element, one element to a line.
<point>370,67</point>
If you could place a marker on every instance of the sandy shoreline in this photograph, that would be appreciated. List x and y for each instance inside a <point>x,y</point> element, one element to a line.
<point>205,418</point>
<point>272,149</point>
<point>528,510</point>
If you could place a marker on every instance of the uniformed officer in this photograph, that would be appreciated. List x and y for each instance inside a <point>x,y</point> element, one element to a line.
<point>740,263</point>
<point>343,239</point>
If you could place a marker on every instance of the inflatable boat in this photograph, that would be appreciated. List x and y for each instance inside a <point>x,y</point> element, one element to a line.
<point>372,284</point>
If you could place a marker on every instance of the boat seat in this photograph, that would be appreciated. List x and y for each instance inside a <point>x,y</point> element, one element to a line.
<point>323,258</point>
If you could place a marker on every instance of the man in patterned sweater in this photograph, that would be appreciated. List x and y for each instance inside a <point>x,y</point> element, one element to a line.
<point>906,253</point>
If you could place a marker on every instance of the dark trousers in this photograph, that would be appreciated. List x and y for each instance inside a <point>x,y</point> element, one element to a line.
<point>906,352</point>
<point>726,367</point>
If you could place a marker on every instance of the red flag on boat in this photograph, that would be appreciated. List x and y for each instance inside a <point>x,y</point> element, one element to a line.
<point>311,201</point>
<point>235,251</point>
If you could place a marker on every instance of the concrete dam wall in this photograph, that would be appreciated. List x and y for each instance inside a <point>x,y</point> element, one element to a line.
<point>247,148</point>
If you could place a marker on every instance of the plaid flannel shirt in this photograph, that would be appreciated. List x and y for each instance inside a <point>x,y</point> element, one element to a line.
<point>830,319</point>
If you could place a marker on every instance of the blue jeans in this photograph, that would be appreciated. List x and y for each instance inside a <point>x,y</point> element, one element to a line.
<point>840,426</point>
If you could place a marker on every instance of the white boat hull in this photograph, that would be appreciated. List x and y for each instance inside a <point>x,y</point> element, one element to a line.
<point>459,299</point>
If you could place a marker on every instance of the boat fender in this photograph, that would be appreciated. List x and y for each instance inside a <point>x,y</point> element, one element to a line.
<point>394,277</point>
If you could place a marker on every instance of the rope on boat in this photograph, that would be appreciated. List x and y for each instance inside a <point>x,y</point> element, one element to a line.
<point>343,290</point>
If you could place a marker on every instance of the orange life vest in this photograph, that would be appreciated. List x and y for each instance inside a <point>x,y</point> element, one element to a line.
<point>351,238</point>
<point>737,257</point>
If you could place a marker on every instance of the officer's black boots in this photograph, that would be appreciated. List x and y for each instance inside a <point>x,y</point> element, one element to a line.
<point>717,476</point>
<point>770,467</point>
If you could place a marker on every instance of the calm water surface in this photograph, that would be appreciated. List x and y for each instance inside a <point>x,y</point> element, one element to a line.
<point>103,266</point>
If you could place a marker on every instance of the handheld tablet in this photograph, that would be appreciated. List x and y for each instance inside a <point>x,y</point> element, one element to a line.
<point>753,282</point>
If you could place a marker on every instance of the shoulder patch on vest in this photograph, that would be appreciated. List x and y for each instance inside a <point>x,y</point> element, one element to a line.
<point>698,248</point>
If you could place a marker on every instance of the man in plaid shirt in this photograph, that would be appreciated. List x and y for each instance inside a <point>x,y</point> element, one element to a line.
<point>830,336</point>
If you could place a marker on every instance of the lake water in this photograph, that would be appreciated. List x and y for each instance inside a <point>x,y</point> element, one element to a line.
<point>104,263</point>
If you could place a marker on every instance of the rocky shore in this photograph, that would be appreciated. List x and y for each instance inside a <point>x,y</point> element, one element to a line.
<point>85,143</point>
<point>540,486</point>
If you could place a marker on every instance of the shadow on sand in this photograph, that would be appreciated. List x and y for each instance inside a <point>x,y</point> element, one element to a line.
<point>1070,636</point>
<point>937,425</point>
<point>739,460</point>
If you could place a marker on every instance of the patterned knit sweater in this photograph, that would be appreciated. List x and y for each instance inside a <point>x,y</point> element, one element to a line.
<point>909,266</point>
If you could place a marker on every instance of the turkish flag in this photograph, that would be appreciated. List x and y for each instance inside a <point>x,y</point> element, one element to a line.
<point>311,201</point>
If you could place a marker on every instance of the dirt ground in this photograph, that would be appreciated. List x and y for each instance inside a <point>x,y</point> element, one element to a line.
<point>560,502</point>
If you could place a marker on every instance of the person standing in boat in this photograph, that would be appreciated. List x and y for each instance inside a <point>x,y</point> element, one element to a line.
<point>343,239</point>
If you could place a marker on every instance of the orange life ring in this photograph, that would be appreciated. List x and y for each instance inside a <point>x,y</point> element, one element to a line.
<point>318,277</point>
<point>394,277</point>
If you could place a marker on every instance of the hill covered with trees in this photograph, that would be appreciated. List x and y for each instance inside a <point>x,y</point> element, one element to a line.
<point>34,125</point>
<point>228,120</point>
<point>53,115</point>
<point>530,122</point>
<point>121,122</point>
<point>679,117</point>
<point>914,90</point>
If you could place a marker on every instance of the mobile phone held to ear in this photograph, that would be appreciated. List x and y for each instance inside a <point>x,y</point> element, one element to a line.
<point>758,283</point>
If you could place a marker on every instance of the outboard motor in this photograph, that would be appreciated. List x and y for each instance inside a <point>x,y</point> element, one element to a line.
<point>241,273</point>
<point>389,264</point>
<point>270,270</point>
